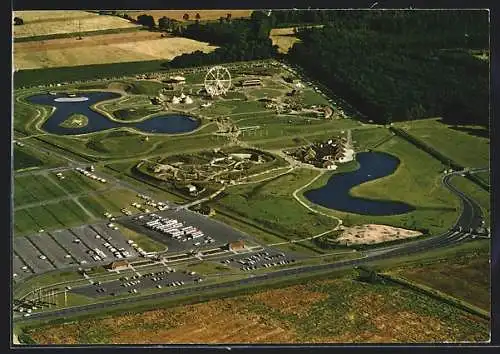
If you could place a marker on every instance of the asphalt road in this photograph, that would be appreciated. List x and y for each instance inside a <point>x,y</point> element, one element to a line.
<point>469,218</point>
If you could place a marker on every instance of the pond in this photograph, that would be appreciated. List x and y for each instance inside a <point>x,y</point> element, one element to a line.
<point>168,123</point>
<point>335,194</point>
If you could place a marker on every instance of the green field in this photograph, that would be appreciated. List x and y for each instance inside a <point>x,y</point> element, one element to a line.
<point>35,188</point>
<point>460,146</point>
<point>58,215</point>
<point>272,205</point>
<point>24,160</point>
<point>309,97</point>
<point>364,139</point>
<point>146,243</point>
<point>485,176</point>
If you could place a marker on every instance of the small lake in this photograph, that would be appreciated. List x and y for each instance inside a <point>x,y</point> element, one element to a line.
<point>168,123</point>
<point>335,194</point>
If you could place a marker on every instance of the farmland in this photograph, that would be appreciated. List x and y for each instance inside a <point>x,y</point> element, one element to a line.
<point>340,310</point>
<point>112,48</point>
<point>51,22</point>
<point>468,146</point>
<point>464,275</point>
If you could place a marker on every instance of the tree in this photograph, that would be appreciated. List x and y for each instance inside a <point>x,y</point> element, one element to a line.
<point>18,21</point>
<point>164,23</point>
<point>146,20</point>
<point>185,17</point>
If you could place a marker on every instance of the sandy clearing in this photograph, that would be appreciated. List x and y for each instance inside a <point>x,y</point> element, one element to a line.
<point>373,233</point>
<point>103,52</point>
<point>284,38</point>
<point>38,23</point>
<point>204,14</point>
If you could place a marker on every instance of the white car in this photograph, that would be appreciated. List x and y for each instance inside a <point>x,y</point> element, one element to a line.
<point>42,257</point>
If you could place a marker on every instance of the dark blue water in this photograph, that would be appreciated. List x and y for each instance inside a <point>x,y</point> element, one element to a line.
<point>170,124</point>
<point>335,194</point>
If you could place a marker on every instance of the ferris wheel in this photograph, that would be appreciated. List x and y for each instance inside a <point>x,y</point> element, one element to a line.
<point>217,81</point>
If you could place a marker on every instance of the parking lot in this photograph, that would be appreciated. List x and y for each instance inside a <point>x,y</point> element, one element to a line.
<point>168,277</point>
<point>87,245</point>
<point>220,233</point>
<point>267,258</point>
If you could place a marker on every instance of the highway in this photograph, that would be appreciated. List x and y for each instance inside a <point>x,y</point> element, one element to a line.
<point>469,218</point>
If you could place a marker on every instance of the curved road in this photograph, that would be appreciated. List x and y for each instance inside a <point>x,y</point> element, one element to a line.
<point>469,218</point>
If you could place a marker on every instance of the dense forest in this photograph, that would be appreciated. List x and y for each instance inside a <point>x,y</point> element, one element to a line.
<point>391,65</point>
<point>241,39</point>
<point>400,65</point>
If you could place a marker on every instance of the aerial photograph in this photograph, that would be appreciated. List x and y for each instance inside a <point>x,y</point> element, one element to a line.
<point>249,177</point>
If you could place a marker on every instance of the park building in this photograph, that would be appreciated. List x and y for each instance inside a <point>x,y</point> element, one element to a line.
<point>118,265</point>
<point>178,79</point>
<point>251,82</point>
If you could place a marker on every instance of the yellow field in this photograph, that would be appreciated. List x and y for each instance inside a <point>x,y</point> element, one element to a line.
<point>102,49</point>
<point>37,23</point>
<point>204,14</point>
<point>284,38</point>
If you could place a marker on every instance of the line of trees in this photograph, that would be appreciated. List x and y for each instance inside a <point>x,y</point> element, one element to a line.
<point>401,65</point>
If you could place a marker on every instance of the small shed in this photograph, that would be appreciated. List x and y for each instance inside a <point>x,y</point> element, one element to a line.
<point>118,265</point>
<point>237,245</point>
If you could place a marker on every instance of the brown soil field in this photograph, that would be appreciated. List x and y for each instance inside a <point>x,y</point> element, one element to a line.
<point>204,14</point>
<point>102,49</point>
<point>37,23</point>
<point>372,234</point>
<point>332,311</point>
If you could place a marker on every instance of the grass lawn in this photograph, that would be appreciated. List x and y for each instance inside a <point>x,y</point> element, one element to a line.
<point>209,268</point>
<point>485,176</point>
<point>24,160</point>
<point>459,145</point>
<point>45,279</point>
<point>266,237</point>
<point>475,192</point>
<point>142,241</point>
<point>367,138</point>
<point>272,205</point>
<point>310,97</point>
